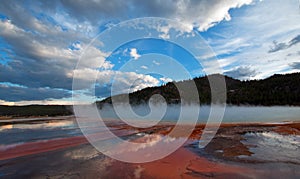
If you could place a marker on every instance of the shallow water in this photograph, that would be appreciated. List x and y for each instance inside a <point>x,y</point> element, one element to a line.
<point>35,131</point>
<point>232,113</point>
<point>59,127</point>
<point>273,147</point>
<point>277,151</point>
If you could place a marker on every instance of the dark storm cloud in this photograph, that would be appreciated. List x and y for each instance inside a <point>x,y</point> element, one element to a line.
<point>277,47</point>
<point>38,35</point>
<point>281,46</point>
<point>295,65</point>
<point>39,56</point>
<point>13,93</point>
<point>295,40</point>
<point>201,13</point>
<point>35,74</point>
<point>241,72</point>
<point>95,11</point>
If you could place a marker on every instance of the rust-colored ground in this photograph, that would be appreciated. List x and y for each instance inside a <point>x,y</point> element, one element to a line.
<point>183,163</point>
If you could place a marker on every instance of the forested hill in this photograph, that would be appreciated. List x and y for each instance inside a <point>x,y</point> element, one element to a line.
<point>35,110</point>
<point>275,90</point>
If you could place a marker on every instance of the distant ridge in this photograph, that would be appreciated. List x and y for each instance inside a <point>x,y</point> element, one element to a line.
<point>275,90</point>
<point>35,110</point>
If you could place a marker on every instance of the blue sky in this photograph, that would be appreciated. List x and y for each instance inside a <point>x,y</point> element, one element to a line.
<point>41,43</point>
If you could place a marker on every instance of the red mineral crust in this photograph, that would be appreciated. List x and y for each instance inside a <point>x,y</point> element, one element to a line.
<point>185,162</point>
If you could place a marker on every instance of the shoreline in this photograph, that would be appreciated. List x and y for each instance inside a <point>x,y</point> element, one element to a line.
<point>286,128</point>
<point>59,117</point>
<point>219,159</point>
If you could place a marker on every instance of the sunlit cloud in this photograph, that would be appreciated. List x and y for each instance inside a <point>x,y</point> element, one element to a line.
<point>41,45</point>
<point>134,54</point>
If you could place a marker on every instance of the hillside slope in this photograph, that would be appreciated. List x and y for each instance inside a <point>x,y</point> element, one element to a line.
<point>275,90</point>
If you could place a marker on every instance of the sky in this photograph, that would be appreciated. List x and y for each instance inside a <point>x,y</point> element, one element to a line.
<point>42,45</point>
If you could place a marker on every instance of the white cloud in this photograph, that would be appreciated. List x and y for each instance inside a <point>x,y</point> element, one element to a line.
<point>125,82</point>
<point>206,14</point>
<point>8,103</point>
<point>165,79</point>
<point>41,57</point>
<point>156,62</point>
<point>93,57</point>
<point>211,67</point>
<point>122,82</point>
<point>144,67</point>
<point>182,28</point>
<point>134,54</point>
<point>247,39</point>
<point>201,14</point>
<point>48,58</point>
<point>42,102</point>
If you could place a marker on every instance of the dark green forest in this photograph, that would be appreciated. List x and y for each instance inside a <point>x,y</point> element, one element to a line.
<point>275,90</point>
<point>35,110</point>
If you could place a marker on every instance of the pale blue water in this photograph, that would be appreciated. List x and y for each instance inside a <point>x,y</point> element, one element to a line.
<point>39,130</point>
<point>232,113</point>
<point>272,147</point>
<point>66,127</point>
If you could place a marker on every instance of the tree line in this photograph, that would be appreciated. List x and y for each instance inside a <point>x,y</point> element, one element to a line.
<point>275,90</point>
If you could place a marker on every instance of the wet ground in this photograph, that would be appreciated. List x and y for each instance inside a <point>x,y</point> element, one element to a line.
<point>56,148</point>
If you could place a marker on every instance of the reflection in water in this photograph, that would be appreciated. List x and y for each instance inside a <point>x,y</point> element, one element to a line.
<point>52,131</point>
<point>137,147</point>
<point>6,127</point>
<point>83,153</point>
<point>4,148</point>
<point>45,124</point>
<point>273,147</point>
<point>84,161</point>
<point>38,130</point>
<point>232,113</point>
<point>147,142</point>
